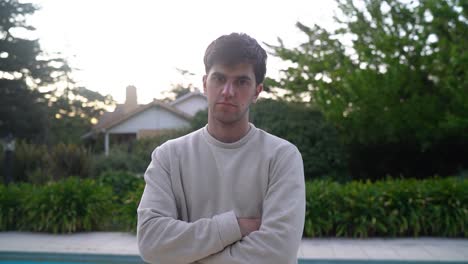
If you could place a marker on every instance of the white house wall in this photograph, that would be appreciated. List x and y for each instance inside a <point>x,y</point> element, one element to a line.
<point>192,105</point>
<point>153,118</point>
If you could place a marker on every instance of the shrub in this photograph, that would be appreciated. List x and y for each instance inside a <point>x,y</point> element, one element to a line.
<point>66,206</point>
<point>31,160</point>
<point>11,201</point>
<point>406,159</point>
<point>145,146</point>
<point>117,160</point>
<point>431,207</point>
<point>133,157</point>
<point>40,164</point>
<point>127,212</point>
<point>127,190</point>
<point>305,127</point>
<point>121,183</point>
<point>69,159</point>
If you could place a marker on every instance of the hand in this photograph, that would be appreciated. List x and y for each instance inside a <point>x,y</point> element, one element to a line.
<point>248,225</point>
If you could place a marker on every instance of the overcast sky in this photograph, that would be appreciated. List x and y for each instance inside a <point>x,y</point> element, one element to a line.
<point>142,42</point>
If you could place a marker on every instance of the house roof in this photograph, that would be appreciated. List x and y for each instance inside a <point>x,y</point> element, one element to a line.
<point>186,97</point>
<point>109,117</point>
<point>118,116</point>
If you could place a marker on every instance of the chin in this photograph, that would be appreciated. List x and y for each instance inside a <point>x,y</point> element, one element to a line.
<point>227,119</point>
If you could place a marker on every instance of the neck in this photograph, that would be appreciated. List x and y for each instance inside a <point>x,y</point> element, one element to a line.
<point>228,132</point>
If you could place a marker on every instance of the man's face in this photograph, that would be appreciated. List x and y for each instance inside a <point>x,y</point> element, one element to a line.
<point>230,91</point>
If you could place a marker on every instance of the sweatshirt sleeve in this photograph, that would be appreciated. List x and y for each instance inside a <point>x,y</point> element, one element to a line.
<point>279,236</point>
<point>162,238</point>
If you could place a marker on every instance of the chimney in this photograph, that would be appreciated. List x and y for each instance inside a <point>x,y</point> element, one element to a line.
<point>131,98</point>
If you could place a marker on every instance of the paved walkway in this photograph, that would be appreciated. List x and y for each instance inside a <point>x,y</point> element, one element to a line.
<point>430,249</point>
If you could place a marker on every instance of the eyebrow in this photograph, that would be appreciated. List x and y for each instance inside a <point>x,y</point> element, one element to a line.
<point>245,77</point>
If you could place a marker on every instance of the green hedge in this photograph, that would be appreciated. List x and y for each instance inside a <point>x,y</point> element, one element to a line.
<point>11,202</point>
<point>127,190</point>
<point>73,204</point>
<point>127,211</point>
<point>390,208</point>
<point>121,182</point>
<point>118,160</point>
<point>61,207</point>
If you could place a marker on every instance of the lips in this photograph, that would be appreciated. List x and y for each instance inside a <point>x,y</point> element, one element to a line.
<point>226,104</point>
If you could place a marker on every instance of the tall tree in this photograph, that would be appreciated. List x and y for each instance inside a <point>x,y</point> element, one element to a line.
<point>24,67</point>
<point>49,115</point>
<point>393,78</point>
<point>74,111</point>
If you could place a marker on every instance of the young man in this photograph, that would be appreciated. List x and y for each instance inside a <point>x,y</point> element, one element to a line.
<point>229,192</point>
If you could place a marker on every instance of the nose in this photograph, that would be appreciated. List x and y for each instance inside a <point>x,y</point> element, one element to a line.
<point>228,89</point>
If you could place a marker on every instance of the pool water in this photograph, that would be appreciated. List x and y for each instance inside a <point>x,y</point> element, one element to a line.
<point>32,262</point>
<point>67,258</point>
<point>339,261</point>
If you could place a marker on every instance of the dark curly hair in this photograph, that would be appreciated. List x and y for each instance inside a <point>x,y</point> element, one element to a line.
<point>234,49</point>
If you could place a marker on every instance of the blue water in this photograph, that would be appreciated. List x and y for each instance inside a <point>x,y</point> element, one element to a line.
<point>300,262</point>
<point>34,262</point>
<point>62,258</point>
<point>51,258</point>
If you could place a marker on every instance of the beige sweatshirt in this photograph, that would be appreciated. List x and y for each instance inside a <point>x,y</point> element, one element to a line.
<point>197,186</point>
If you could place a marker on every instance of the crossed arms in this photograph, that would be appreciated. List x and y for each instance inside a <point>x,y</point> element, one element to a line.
<point>224,238</point>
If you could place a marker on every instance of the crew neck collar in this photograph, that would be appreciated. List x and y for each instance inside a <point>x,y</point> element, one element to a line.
<point>237,144</point>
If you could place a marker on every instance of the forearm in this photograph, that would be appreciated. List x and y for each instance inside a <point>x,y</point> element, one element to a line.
<point>254,250</point>
<point>273,243</point>
<point>166,240</point>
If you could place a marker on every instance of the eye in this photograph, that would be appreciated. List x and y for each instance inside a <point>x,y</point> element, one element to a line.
<point>243,82</point>
<point>217,78</point>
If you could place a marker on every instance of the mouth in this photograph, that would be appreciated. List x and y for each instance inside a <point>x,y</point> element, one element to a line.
<point>226,104</point>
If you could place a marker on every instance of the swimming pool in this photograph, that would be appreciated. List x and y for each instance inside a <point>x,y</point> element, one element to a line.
<point>340,261</point>
<point>69,258</point>
<point>66,258</point>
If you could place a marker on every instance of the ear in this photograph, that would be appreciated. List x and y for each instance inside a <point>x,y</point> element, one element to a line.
<point>258,90</point>
<point>204,84</point>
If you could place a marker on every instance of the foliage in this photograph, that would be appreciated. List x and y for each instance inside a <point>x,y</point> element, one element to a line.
<point>118,160</point>
<point>73,111</point>
<point>302,125</point>
<point>305,127</point>
<point>144,147</point>
<point>69,159</point>
<point>134,157</point>
<point>401,80</point>
<point>199,120</point>
<point>71,205</point>
<point>127,216</point>
<point>389,208</point>
<point>39,164</point>
<point>11,201</point>
<point>127,190</point>
<point>121,182</point>
<point>23,66</point>
<point>34,105</point>
<point>21,112</point>
<point>31,163</point>
<point>66,206</point>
